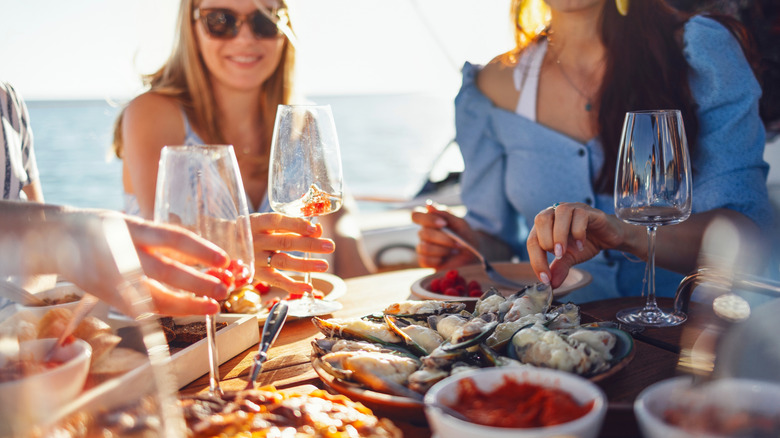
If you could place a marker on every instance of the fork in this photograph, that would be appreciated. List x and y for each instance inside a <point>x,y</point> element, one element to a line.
<point>494,275</point>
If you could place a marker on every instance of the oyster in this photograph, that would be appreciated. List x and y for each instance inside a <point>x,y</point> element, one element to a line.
<point>357,329</point>
<point>423,309</point>
<point>420,339</point>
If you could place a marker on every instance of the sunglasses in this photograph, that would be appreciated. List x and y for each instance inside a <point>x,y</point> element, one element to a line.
<point>225,23</point>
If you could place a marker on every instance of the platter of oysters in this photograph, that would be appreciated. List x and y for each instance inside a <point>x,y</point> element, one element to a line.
<point>393,357</point>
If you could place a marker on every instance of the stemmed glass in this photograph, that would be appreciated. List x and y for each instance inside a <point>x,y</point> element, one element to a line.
<point>200,188</point>
<point>653,188</point>
<point>305,178</point>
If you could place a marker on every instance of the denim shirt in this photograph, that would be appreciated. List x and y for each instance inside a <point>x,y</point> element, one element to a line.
<point>515,167</point>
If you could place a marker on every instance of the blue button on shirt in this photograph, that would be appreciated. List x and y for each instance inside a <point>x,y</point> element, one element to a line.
<point>515,167</point>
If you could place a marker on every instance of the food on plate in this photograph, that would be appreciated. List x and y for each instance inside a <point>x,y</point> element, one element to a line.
<point>517,405</point>
<point>581,351</point>
<point>263,412</point>
<point>722,421</point>
<point>183,335</point>
<point>268,412</point>
<point>453,284</point>
<point>414,344</point>
<point>117,362</point>
<point>69,298</point>
<point>253,298</point>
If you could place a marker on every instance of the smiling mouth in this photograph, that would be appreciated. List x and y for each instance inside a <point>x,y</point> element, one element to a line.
<point>245,59</point>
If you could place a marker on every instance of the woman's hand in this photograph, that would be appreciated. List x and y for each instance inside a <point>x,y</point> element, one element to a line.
<point>165,251</point>
<point>274,232</point>
<point>574,232</point>
<point>436,249</point>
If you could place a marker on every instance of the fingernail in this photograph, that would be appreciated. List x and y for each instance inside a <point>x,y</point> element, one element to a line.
<point>211,307</point>
<point>321,266</point>
<point>440,222</point>
<point>311,228</point>
<point>558,250</point>
<point>327,246</point>
<point>580,246</point>
<point>220,292</point>
<point>545,279</point>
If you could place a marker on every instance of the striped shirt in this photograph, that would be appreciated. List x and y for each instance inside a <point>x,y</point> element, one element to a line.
<point>17,158</point>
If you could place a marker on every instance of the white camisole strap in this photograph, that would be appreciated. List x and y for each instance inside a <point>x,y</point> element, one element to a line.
<point>526,78</point>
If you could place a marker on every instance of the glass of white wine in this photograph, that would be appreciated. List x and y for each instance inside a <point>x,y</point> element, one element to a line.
<point>200,188</point>
<point>652,189</point>
<point>305,178</point>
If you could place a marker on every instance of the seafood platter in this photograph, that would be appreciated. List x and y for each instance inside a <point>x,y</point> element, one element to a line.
<point>389,360</point>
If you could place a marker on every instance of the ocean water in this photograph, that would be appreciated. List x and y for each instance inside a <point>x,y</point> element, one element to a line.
<point>388,144</point>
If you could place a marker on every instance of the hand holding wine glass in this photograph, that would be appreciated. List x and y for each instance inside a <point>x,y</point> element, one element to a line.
<point>653,188</point>
<point>305,177</point>
<point>199,188</point>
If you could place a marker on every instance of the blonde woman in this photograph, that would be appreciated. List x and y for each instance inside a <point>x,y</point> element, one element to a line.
<point>231,65</point>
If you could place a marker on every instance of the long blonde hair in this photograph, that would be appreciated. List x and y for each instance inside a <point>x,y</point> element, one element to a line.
<point>184,77</point>
<point>531,18</point>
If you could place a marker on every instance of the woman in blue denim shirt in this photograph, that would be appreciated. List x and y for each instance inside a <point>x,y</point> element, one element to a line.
<point>540,125</point>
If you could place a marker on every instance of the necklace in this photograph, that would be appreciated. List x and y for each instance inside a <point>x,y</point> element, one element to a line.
<point>588,101</point>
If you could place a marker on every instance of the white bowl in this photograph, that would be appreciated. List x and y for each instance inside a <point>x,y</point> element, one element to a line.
<point>36,398</point>
<point>59,291</point>
<point>487,379</point>
<point>744,395</point>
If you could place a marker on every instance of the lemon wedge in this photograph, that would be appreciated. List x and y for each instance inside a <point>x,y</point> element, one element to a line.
<point>622,7</point>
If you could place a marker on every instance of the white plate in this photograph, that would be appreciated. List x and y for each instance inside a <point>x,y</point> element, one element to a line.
<point>330,285</point>
<point>520,272</point>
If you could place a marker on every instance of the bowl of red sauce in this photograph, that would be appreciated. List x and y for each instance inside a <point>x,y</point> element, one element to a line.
<point>524,401</point>
<point>728,407</point>
<point>33,389</point>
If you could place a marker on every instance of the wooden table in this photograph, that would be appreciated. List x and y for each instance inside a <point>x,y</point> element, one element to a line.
<point>658,351</point>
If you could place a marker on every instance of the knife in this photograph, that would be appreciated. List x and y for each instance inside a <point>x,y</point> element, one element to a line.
<point>271,328</point>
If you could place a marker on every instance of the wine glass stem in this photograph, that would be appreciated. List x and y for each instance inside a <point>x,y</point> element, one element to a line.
<point>211,339</point>
<point>651,303</point>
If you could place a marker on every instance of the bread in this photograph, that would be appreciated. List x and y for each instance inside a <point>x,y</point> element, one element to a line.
<point>54,322</point>
<point>117,362</point>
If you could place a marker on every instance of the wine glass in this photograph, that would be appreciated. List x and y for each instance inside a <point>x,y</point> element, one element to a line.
<point>305,178</point>
<point>653,188</point>
<point>200,188</point>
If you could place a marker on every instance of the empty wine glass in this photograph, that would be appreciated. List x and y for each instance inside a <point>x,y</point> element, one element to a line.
<point>200,188</point>
<point>653,188</point>
<point>305,178</point>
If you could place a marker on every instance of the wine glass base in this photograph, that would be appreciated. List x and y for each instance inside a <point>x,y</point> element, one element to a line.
<point>303,307</point>
<point>651,317</point>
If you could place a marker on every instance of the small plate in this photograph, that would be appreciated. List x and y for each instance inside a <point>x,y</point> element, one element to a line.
<point>520,272</point>
<point>330,285</point>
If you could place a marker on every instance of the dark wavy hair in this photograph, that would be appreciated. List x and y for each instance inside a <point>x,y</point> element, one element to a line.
<point>645,69</point>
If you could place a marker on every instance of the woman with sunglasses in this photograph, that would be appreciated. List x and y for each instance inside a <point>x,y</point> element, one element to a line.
<point>540,125</point>
<point>231,66</point>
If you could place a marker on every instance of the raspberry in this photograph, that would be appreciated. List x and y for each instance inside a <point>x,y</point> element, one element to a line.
<point>474,284</point>
<point>447,283</point>
<point>475,293</point>
<point>435,285</point>
<point>450,291</point>
<point>461,290</point>
<point>452,274</point>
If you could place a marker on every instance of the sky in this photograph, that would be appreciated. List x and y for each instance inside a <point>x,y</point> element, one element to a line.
<point>97,49</point>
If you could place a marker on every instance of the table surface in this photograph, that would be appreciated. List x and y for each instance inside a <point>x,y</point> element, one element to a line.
<point>660,352</point>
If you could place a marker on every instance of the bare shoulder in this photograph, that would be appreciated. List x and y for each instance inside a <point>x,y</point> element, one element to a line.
<point>151,121</point>
<point>496,82</point>
<point>154,116</point>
